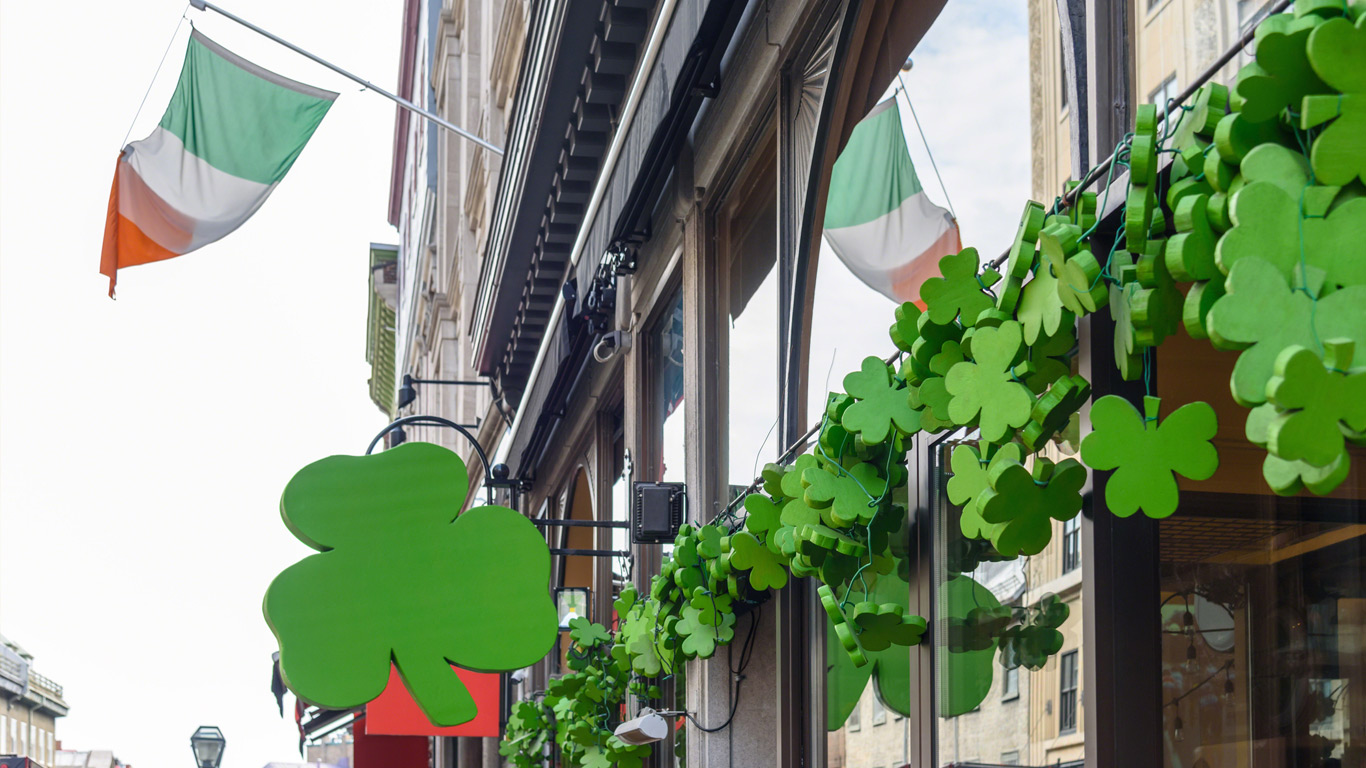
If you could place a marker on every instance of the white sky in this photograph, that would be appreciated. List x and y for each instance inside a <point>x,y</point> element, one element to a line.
<point>144,442</point>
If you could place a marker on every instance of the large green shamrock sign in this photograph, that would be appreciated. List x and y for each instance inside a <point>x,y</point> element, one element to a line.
<point>1145,454</point>
<point>403,576</point>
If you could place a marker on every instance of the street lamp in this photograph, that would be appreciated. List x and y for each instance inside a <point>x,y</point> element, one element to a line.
<point>207,743</point>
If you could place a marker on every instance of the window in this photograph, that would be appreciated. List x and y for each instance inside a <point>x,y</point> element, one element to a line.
<point>1164,92</point>
<point>1071,544</point>
<point>1010,758</point>
<point>879,711</point>
<point>1067,694</point>
<point>855,721</point>
<point>1010,684</point>
<point>667,338</point>
<point>1062,69</point>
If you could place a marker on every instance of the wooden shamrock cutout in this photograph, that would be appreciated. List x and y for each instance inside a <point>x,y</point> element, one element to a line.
<point>1052,411</point>
<point>416,571</point>
<point>1139,206</point>
<point>1236,136</point>
<point>905,330</point>
<point>1145,454</point>
<point>960,290</point>
<point>1287,477</point>
<point>1207,108</point>
<point>1040,309</point>
<point>1143,150</point>
<point>1156,307</point>
<point>1190,253</point>
<point>1021,257</point>
<point>773,475</point>
<point>1128,355</point>
<point>792,485</point>
<point>700,638</point>
<point>1199,299</point>
<point>1082,210</point>
<point>932,399</point>
<point>1078,273</point>
<point>882,626</point>
<point>711,608</point>
<point>1046,360</point>
<point>1026,502</point>
<point>882,404</point>
<point>1262,315</point>
<point>985,385</point>
<point>971,477</point>
<point>767,570</point>
<point>1337,53</point>
<point>764,514</point>
<point>851,496</point>
<point>1281,76</point>
<point>848,638</point>
<point>1317,399</point>
<point>933,337</point>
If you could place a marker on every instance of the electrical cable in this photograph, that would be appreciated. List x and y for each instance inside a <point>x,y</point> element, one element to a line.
<point>148,92</point>
<point>746,653</point>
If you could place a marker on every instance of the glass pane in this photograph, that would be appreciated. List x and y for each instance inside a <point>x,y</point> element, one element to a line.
<point>1263,619</point>
<point>1007,639</point>
<point>669,405</point>
<point>753,419</point>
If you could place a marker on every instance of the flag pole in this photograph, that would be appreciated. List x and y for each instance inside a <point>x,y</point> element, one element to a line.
<point>402,102</point>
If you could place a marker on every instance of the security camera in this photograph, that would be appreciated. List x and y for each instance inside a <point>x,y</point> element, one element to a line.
<point>518,677</point>
<point>646,729</point>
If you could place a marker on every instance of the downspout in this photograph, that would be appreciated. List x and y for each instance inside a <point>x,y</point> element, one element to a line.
<point>633,98</point>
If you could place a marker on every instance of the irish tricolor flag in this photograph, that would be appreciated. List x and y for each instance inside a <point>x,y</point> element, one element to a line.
<point>878,218</point>
<point>230,134</point>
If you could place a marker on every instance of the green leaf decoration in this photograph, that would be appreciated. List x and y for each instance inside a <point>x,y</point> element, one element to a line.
<point>1281,76</point>
<point>1021,256</point>
<point>932,399</point>
<point>960,291</point>
<point>773,475</point>
<point>1262,315</point>
<point>587,634</point>
<point>1047,358</point>
<point>1052,411</point>
<point>1195,309</point>
<point>1146,455</point>
<point>1337,53</point>
<point>1319,399</point>
<point>764,514</point>
<point>766,569</point>
<point>710,608</point>
<point>1207,108</point>
<point>882,404</point>
<point>985,385</point>
<point>882,626</point>
<point>852,496</point>
<point>905,330</point>
<point>1190,253</point>
<point>1041,310</point>
<point>1156,307</point>
<point>1285,477</point>
<point>1076,270</point>
<point>792,485</point>
<point>387,527</point>
<point>700,638</point>
<point>1128,354</point>
<point>971,476</point>
<point>844,633</point>
<point>1025,502</point>
<point>933,337</point>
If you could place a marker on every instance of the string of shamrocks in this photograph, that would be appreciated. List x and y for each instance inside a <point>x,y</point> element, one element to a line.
<point>1250,238</point>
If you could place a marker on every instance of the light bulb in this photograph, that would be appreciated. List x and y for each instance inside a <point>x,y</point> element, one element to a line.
<point>1176,729</point>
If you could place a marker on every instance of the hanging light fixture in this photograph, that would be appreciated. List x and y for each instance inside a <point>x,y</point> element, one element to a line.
<point>207,743</point>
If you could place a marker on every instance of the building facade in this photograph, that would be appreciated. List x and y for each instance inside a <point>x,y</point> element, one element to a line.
<point>28,722</point>
<point>639,280</point>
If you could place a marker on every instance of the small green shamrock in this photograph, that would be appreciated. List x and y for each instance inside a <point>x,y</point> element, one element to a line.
<point>1021,257</point>
<point>1285,477</point>
<point>793,487</point>
<point>986,386</point>
<point>1262,315</point>
<point>844,633</point>
<point>1281,76</point>
<point>852,496</point>
<point>882,405</point>
<point>1337,53</point>
<point>766,569</point>
<point>882,626</point>
<point>1146,455</point>
<point>711,608</point>
<point>1025,502</point>
<point>905,330</point>
<point>1207,108</point>
<point>971,477</point>
<point>709,542</point>
<point>1047,358</point>
<point>1041,309</point>
<point>1128,355</point>
<point>587,634</point>
<point>701,638</point>
<point>390,527</point>
<point>1318,399</point>
<point>1190,253</point>
<point>1052,411</point>
<point>960,292</point>
<point>764,514</point>
<point>933,337</point>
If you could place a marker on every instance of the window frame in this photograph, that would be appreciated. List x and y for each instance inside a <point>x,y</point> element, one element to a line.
<point>1068,692</point>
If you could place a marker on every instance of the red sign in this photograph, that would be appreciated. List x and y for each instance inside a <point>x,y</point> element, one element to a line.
<point>372,751</point>
<point>395,713</point>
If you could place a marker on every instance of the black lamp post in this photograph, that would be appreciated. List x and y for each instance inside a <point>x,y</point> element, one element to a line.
<point>207,743</point>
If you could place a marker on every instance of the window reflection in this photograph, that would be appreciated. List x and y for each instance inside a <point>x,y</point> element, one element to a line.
<point>1263,621</point>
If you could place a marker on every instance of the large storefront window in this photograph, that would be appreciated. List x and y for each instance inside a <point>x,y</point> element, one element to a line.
<point>668,406</point>
<point>1264,635</point>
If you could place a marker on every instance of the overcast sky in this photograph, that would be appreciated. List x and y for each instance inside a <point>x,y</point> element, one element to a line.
<point>144,442</point>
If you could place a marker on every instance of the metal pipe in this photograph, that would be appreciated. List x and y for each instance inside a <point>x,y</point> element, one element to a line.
<point>402,102</point>
<point>609,164</point>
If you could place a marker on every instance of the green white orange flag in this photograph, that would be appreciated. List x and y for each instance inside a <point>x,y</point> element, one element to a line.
<point>878,219</point>
<point>228,137</point>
